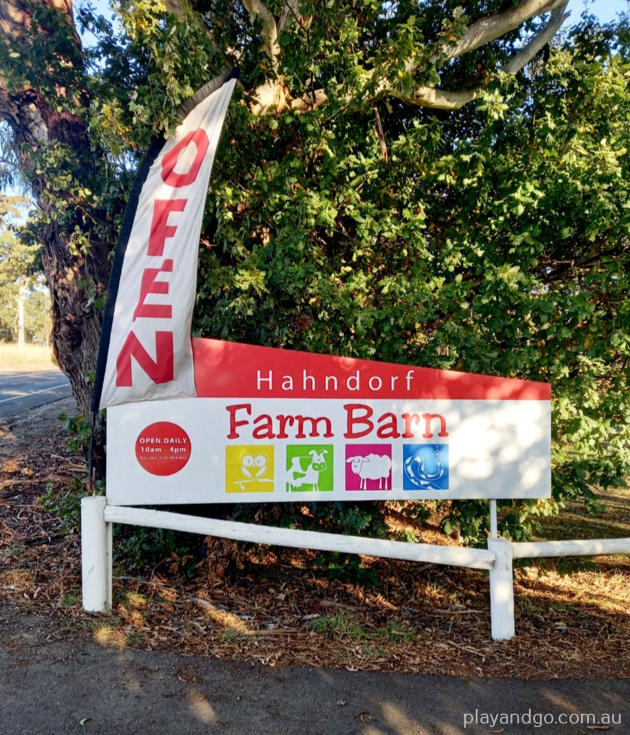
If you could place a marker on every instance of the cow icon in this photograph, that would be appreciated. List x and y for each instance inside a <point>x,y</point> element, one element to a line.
<point>309,468</point>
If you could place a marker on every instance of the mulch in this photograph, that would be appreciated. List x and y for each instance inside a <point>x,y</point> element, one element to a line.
<point>281,606</point>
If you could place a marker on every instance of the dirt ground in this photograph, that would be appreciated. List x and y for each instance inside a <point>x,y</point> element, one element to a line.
<point>280,608</point>
<point>53,685</point>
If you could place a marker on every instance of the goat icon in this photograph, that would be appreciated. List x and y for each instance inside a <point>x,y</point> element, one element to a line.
<point>425,467</point>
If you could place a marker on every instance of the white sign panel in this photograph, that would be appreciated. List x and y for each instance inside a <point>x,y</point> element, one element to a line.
<point>274,425</point>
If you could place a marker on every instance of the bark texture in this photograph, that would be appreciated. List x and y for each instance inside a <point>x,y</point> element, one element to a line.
<point>36,124</point>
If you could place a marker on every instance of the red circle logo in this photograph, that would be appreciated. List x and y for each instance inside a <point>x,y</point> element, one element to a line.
<point>163,448</point>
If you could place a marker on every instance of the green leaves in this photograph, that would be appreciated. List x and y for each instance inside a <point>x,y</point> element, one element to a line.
<point>493,239</point>
<point>493,244</point>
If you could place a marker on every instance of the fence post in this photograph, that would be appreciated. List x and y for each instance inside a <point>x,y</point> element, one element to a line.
<point>501,590</point>
<point>96,556</point>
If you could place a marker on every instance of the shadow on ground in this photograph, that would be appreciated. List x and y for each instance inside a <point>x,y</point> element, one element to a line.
<point>78,686</point>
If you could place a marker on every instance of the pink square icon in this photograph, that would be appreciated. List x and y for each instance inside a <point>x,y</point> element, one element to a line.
<point>368,466</point>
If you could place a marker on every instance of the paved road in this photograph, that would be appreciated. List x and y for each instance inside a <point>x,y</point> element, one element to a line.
<point>58,687</point>
<point>21,391</point>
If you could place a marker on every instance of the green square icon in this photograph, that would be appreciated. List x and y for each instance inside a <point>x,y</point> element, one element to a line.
<point>310,468</point>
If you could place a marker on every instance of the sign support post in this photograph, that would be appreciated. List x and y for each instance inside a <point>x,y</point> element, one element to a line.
<point>96,555</point>
<point>501,582</point>
<point>493,518</point>
<point>501,590</point>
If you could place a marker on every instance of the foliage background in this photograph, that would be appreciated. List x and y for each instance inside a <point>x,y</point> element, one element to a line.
<point>20,277</point>
<point>492,239</point>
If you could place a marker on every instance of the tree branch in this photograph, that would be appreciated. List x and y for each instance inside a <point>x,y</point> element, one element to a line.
<point>179,8</point>
<point>309,101</point>
<point>290,9</point>
<point>494,26</point>
<point>455,99</point>
<point>269,30</point>
<point>525,55</point>
<point>437,99</point>
<point>381,135</point>
<point>273,94</point>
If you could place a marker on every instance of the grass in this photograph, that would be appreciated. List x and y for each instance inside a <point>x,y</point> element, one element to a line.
<point>338,626</point>
<point>25,357</point>
<point>232,636</point>
<point>70,598</point>
<point>574,521</point>
<point>341,625</point>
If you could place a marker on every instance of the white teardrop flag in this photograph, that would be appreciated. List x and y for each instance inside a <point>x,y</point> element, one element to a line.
<point>145,352</point>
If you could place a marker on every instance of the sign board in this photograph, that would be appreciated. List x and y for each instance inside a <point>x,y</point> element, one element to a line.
<point>274,425</point>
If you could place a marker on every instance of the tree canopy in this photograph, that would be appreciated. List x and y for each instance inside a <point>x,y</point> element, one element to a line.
<point>23,309</point>
<point>424,182</point>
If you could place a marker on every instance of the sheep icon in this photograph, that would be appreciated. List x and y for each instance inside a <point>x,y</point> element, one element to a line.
<point>306,469</point>
<point>371,467</point>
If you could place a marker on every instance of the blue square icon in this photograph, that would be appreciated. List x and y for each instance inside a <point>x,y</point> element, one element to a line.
<point>425,467</point>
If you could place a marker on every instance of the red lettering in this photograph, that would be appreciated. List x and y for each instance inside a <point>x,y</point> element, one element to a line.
<point>352,419</point>
<point>410,418</point>
<point>427,425</point>
<point>302,420</point>
<point>234,424</point>
<point>159,370</point>
<point>388,426</point>
<point>264,427</point>
<point>200,138</point>
<point>150,285</point>
<point>160,229</point>
<point>284,421</point>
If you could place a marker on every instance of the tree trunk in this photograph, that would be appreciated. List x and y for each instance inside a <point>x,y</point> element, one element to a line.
<point>21,340</point>
<point>36,126</point>
<point>76,322</point>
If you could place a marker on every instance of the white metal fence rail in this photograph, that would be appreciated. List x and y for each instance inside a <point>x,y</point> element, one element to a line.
<point>453,555</point>
<point>586,547</point>
<point>96,543</point>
